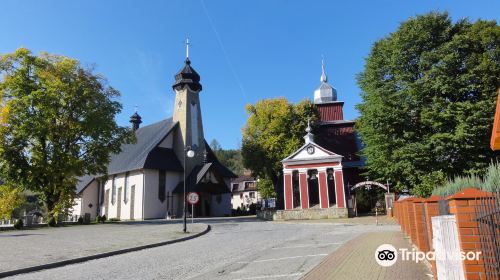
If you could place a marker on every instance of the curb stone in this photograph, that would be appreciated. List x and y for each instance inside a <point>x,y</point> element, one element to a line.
<point>98,256</point>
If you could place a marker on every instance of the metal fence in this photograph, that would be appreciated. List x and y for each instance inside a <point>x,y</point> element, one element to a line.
<point>488,217</point>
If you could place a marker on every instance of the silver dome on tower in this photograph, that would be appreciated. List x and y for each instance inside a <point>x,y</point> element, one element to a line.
<point>325,92</point>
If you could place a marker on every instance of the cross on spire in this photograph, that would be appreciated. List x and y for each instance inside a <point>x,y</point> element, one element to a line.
<point>187,47</point>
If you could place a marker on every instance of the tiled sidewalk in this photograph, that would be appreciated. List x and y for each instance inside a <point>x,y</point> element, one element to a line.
<point>356,260</point>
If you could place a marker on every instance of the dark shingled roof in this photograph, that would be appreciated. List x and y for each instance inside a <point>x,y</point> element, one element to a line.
<point>133,156</point>
<point>194,179</point>
<point>187,77</point>
<point>143,154</point>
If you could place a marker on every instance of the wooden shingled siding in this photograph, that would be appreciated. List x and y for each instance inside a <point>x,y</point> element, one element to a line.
<point>331,112</point>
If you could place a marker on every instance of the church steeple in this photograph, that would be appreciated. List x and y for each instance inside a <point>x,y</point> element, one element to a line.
<point>187,112</point>
<point>325,92</point>
<point>136,120</point>
<point>187,77</point>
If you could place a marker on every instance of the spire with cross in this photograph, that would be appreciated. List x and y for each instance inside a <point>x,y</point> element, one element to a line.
<point>187,47</point>
<point>135,119</point>
<point>309,136</point>
<point>323,78</point>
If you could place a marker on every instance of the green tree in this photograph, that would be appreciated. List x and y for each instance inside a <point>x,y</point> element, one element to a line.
<point>429,94</point>
<point>10,199</point>
<point>266,188</point>
<point>230,158</point>
<point>57,124</point>
<point>274,129</point>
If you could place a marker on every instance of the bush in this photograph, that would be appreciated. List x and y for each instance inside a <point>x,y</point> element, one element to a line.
<point>114,220</point>
<point>97,219</point>
<point>52,222</point>
<point>492,178</point>
<point>103,219</point>
<point>252,209</point>
<point>80,220</point>
<point>19,224</point>
<point>457,184</point>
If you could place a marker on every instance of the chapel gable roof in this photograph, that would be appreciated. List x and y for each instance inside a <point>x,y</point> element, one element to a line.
<point>144,153</point>
<point>318,154</point>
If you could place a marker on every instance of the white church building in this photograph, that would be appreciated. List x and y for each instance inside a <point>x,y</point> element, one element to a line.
<point>146,179</point>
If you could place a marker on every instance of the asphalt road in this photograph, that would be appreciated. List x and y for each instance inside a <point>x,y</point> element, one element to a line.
<point>234,249</point>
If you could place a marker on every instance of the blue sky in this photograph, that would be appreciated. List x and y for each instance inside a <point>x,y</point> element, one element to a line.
<point>244,50</point>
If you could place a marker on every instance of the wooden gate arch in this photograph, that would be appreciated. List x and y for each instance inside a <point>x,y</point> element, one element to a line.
<point>370,183</point>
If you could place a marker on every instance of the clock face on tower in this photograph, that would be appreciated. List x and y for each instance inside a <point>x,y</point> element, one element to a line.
<point>310,150</point>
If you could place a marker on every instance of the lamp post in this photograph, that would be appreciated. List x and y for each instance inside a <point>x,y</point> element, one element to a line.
<point>189,153</point>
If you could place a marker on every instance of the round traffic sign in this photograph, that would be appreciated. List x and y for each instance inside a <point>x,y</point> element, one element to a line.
<point>193,198</point>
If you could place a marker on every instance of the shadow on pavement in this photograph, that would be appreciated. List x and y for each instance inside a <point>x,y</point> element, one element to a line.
<point>211,220</point>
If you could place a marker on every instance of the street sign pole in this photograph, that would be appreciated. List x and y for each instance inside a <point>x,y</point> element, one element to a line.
<point>192,198</point>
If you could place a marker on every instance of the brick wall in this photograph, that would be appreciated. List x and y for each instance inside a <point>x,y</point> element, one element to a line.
<point>414,216</point>
<point>462,205</point>
<point>420,225</point>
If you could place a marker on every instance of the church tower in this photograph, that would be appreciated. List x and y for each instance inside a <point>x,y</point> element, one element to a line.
<point>187,112</point>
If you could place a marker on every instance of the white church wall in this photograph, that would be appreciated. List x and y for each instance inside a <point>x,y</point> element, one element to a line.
<point>111,206</point>
<point>152,205</point>
<point>154,208</point>
<point>135,178</point>
<point>89,196</point>
<point>173,179</point>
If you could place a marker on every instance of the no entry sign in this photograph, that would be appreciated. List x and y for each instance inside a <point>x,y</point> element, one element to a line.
<point>192,198</point>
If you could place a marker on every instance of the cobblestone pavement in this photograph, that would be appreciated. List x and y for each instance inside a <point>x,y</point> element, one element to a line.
<point>356,260</point>
<point>237,249</point>
<point>26,248</point>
